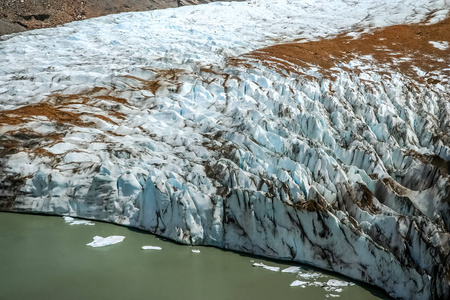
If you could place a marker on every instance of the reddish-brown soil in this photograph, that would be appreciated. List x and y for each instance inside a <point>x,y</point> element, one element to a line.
<point>26,113</point>
<point>387,46</point>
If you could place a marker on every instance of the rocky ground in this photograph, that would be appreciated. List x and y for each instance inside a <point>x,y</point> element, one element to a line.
<point>21,15</point>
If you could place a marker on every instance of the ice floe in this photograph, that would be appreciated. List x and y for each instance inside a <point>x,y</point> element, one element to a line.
<point>291,270</point>
<point>299,283</point>
<point>337,283</point>
<point>68,219</point>
<point>106,241</point>
<point>72,221</point>
<point>151,248</point>
<point>309,275</point>
<point>264,266</point>
<point>82,222</point>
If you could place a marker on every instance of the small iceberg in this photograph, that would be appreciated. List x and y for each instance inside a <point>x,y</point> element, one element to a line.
<point>270,268</point>
<point>299,283</point>
<point>151,248</point>
<point>336,283</point>
<point>72,221</point>
<point>195,251</point>
<point>102,242</point>
<point>310,275</point>
<point>68,219</point>
<point>291,270</point>
<point>82,222</point>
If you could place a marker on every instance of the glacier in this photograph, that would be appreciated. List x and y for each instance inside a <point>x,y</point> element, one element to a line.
<point>162,121</point>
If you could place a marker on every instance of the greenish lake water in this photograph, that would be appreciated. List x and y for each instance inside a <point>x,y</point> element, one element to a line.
<point>42,257</point>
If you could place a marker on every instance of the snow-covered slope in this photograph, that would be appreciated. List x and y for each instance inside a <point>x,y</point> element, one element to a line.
<point>159,121</point>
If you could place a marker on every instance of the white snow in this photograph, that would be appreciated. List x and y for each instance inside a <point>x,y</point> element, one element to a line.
<point>106,241</point>
<point>441,45</point>
<point>83,54</point>
<point>151,248</point>
<point>195,251</point>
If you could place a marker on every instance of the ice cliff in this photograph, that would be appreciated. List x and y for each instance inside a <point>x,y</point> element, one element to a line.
<point>180,122</point>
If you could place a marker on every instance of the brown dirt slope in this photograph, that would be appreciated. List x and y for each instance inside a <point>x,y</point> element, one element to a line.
<point>399,48</point>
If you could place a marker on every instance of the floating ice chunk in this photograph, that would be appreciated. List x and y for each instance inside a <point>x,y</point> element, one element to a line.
<point>270,268</point>
<point>195,251</point>
<point>299,283</point>
<point>331,295</point>
<point>151,248</point>
<point>68,219</point>
<point>443,45</point>
<point>72,221</point>
<point>335,282</point>
<point>82,222</point>
<point>291,270</point>
<point>110,240</point>
<point>310,275</point>
<point>274,269</point>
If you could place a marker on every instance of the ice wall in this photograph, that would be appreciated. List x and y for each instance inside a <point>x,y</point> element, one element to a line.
<point>348,174</point>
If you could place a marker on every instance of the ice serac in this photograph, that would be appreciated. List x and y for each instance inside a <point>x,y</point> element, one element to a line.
<point>182,124</point>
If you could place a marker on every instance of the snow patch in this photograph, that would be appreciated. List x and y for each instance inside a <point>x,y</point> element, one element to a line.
<point>442,45</point>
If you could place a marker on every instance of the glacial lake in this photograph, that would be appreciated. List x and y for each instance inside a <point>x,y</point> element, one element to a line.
<point>43,257</point>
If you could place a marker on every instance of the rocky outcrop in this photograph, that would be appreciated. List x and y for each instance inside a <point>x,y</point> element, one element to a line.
<point>7,28</point>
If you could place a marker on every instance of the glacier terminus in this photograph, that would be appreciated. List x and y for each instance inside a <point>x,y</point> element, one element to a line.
<point>310,131</point>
